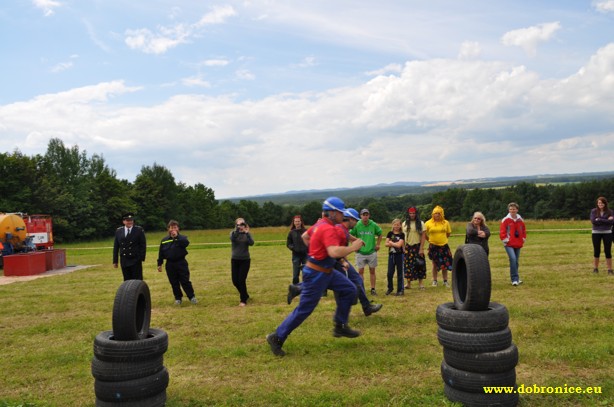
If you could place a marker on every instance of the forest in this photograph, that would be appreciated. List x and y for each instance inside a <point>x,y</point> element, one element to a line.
<point>86,198</point>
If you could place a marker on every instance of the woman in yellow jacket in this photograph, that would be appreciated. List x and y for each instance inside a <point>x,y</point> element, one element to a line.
<point>438,231</point>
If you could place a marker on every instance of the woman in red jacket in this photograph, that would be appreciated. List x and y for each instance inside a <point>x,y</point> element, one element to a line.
<point>513,233</point>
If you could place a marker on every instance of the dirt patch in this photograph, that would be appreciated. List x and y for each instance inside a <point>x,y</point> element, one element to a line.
<point>15,279</point>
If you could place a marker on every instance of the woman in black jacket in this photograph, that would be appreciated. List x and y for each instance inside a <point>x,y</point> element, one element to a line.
<point>297,246</point>
<point>477,231</point>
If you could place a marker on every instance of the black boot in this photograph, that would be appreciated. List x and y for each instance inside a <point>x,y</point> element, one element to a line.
<point>372,309</point>
<point>293,291</point>
<point>344,330</point>
<point>275,343</point>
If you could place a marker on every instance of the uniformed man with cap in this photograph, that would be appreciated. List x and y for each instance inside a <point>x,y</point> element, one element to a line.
<point>130,248</point>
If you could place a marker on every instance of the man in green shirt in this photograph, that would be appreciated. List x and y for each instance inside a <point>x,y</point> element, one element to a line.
<point>371,235</point>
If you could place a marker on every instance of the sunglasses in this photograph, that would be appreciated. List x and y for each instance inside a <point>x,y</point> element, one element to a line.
<point>240,224</point>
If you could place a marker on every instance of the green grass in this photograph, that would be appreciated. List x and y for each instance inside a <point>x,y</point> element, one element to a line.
<point>561,320</point>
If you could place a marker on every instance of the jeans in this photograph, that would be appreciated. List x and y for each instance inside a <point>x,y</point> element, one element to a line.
<point>298,261</point>
<point>513,255</point>
<point>395,260</point>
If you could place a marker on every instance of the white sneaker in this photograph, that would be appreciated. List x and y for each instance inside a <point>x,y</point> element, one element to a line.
<point>193,300</point>
<point>445,284</point>
<point>177,302</point>
<point>434,283</point>
<point>516,283</point>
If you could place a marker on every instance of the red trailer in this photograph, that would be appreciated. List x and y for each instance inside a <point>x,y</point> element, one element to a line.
<point>40,228</point>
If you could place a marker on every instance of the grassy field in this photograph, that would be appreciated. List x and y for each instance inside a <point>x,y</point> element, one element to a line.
<point>561,319</point>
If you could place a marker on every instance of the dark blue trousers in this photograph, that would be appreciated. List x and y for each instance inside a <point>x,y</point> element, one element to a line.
<point>314,283</point>
<point>355,278</point>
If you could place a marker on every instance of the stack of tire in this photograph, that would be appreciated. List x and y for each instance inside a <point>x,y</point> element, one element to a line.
<point>477,343</point>
<point>128,361</point>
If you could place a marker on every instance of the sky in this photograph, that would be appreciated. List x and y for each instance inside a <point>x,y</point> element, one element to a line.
<point>265,96</point>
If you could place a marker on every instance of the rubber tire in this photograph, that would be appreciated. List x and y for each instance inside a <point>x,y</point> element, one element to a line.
<point>132,390</point>
<point>131,311</point>
<point>471,282</point>
<point>108,349</point>
<point>484,362</point>
<point>480,399</point>
<point>121,371</point>
<point>495,318</point>
<point>472,382</point>
<point>475,342</point>
<point>159,400</point>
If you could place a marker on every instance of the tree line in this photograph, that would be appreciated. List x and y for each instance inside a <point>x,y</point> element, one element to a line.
<point>86,198</point>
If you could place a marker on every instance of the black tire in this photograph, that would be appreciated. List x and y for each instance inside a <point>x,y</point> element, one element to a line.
<point>484,362</point>
<point>132,390</point>
<point>480,399</point>
<point>495,318</point>
<point>131,311</point>
<point>474,382</point>
<point>108,349</point>
<point>121,371</point>
<point>471,284</point>
<point>159,400</point>
<point>475,342</point>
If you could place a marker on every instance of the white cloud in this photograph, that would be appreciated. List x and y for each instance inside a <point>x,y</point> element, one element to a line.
<point>307,62</point>
<point>432,120</point>
<point>62,66</point>
<point>197,81</point>
<point>604,6</point>
<point>469,50</point>
<point>47,6</point>
<point>245,74</point>
<point>165,38</point>
<point>217,16</point>
<point>215,62</point>
<point>528,38</point>
<point>390,68</point>
<point>156,43</point>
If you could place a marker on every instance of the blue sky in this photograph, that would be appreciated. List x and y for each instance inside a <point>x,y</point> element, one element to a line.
<point>255,97</point>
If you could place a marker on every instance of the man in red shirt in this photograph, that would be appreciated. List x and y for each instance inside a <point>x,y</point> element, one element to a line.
<point>325,247</point>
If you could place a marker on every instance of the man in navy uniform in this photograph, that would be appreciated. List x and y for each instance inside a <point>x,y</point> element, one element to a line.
<point>130,248</point>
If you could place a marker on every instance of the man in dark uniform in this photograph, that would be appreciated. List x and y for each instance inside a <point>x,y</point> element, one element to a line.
<point>130,248</point>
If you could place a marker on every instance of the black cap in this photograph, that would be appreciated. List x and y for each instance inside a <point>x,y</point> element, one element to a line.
<point>128,215</point>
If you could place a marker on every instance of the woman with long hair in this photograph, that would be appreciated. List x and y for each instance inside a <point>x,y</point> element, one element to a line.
<point>295,243</point>
<point>240,260</point>
<point>602,219</point>
<point>415,265</point>
<point>477,232</point>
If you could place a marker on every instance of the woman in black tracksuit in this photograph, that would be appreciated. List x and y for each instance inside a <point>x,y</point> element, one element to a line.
<point>240,260</point>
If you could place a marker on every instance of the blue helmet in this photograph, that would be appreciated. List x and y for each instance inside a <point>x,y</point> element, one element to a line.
<point>351,213</point>
<point>333,204</point>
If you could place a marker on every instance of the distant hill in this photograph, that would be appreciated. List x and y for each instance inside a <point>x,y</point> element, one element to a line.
<point>401,188</point>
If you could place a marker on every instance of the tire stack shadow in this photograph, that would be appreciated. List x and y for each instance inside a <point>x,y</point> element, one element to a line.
<point>477,343</point>
<point>128,361</point>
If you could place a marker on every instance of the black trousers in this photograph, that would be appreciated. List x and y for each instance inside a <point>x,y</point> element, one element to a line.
<point>178,274</point>
<point>239,270</point>
<point>133,271</point>
<point>607,244</point>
